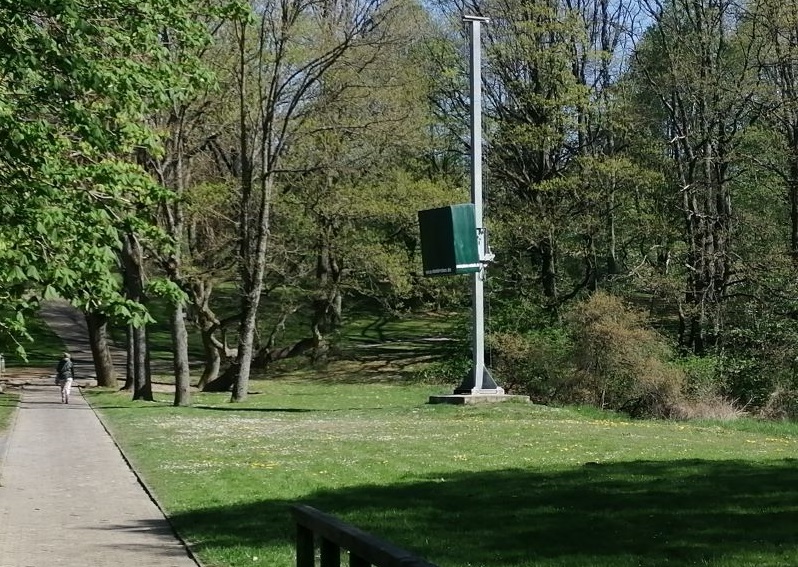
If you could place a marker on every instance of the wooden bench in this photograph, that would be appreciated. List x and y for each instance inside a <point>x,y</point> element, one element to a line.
<point>334,535</point>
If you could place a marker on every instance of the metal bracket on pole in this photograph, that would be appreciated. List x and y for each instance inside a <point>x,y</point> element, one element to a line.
<point>486,255</point>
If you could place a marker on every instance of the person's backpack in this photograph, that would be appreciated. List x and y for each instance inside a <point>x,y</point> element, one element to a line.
<point>65,369</point>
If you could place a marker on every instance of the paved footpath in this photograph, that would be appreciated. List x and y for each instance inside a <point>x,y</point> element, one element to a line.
<point>68,498</point>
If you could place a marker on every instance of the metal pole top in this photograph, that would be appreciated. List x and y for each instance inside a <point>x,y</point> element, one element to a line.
<point>467,18</point>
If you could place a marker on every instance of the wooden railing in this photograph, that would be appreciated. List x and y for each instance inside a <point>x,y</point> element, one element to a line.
<point>334,535</point>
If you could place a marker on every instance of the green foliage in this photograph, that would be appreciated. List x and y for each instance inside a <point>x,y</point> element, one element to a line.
<point>450,371</point>
<point>512,312</point>
<point>34,345</point>
<point>14,333</point>
<point>166,289</point>
<point>78,80</point>
<point>537,364</point>
<point>363,172</point>
<point>759,357</point>
<point>621,363</point>
<point>702,375</point>
<point>593,177</point>
<point>782,404</point>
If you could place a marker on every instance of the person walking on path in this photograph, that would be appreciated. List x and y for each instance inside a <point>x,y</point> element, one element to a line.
<point>65,373</point>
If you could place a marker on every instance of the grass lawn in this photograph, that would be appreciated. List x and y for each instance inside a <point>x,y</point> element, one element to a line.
<point>43,350</point>
<point>425,334</point>
<point>8,403</point>
<point>508,485</point>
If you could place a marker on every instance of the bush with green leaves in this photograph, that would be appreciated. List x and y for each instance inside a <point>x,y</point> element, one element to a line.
<point>450,370</point>
<point>705,396</point>
<point>536,364</point>
<point>782,404</point>
<point>621,363</point>
<point>759,357</point>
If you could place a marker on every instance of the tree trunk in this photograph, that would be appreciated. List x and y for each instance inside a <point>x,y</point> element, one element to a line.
<point>254,247</point>
<point>591,264</point>
<point>284,83</point>
<point>142,385</point>
<point>327,305</point>
<point>130,359</point>
<point>213,359</point>
<point>612,254</point>
<point>132,259</point>
<point>97,324</point>
<point>246,344</point>
<point>265,357</point>
<point>548,270</point>
<point>173,171</point>
<point>225,382</point>
<point>180,357</point>
<point>252,238</point>
<point>176,179</point>
<point>793,194</point>
<point>201,291</point>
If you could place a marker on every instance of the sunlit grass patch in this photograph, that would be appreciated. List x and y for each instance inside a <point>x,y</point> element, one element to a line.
<point>43,348</point>
<point>508,484</point>
<point>8,403</point>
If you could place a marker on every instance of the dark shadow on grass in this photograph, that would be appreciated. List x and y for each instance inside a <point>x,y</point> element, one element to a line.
<point>387,368</point>
<point>142,406</point>
<point>689,512</point>
<point>233,408</point>
<point>400,350</point>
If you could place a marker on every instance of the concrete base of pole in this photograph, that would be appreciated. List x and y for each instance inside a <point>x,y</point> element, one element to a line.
<point>469,384</point>
<point>478,398</point>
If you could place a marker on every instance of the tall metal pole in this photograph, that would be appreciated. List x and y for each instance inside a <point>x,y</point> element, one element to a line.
<point>479,379</point>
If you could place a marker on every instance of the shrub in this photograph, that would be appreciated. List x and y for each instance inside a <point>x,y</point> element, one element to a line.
<point>760,354</point>
<point>705,395</point>
<point>781,404</point>
<point>702,376</point>
<point>708,406</point>
<point>448,371</point>
<point>536,364</point>
<point>621,363</point>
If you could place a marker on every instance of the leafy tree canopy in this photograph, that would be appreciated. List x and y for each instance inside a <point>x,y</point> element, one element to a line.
<point>76,80</point>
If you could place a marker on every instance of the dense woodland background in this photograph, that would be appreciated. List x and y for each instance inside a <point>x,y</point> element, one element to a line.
<point>256,165</point>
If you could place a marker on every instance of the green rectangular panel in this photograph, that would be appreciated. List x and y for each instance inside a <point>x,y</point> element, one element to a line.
<point>449,240</point>
<point>437,252</point>
<point>466,249</point>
